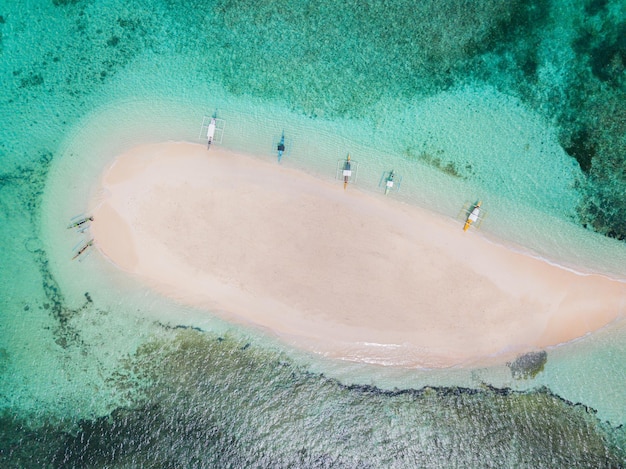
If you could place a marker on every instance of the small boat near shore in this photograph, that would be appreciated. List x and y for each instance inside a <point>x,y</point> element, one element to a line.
<point>211,132</point>
<point>347,170</point>
<point>80,222</point>
<point>391,181</point>
<point>212,129</point>
<point>281,146</point>
<point>83,248</point>
<point>474,216</point>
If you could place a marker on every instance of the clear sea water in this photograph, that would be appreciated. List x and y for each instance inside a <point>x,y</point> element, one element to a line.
<point>465,100</point>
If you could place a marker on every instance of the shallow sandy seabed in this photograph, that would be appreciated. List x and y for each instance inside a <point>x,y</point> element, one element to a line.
<point>347,274</point>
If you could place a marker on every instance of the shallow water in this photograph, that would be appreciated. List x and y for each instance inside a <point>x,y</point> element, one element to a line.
<point>474,103</point>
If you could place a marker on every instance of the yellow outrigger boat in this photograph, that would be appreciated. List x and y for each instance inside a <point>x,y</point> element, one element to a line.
<point>473,216</point>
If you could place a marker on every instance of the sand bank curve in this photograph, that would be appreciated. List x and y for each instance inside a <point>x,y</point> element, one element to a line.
<point>344,273</point>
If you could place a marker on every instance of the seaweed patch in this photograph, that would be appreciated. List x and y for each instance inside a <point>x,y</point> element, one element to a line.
<point>528,365</point>
<point>201,402</point>
<point>27,185</point>
<point>196,399</point>
<point>32,80</point>
<point>436,159</point>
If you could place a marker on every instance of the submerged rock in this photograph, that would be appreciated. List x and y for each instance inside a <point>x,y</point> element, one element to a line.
<point>528,365</point>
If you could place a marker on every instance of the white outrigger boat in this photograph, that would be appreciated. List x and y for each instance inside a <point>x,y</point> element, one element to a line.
<point>212,129</point>
<point>211,132</point>
<point>391,181</point>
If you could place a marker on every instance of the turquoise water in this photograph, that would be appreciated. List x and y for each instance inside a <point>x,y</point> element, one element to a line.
<point>489,100</point>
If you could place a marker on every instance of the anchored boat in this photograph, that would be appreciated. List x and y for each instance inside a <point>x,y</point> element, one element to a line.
<point>212,129</point>
<point>347,172</point>
<point>80,222</point>
<point>473,216</point>
<point>281,146</point>
<point>83,248</point>
<point>391,181</point>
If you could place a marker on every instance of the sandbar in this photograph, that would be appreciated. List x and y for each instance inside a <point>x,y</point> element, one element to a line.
<point>345,273</point>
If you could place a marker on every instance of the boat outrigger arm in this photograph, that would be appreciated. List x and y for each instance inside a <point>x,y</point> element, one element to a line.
<point>473,216</point>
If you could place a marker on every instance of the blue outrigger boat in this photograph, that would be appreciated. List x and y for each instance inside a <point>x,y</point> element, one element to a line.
<point>281,146</point>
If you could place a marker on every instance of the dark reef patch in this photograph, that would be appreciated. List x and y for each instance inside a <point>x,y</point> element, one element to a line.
<point>113,41</point>
<point>26,184</point>
<point>329,62</point>
<point>593,119</point>
<point>608,58</point>
<point>603,205</point>
<point>4,360</point>
<point>26,448</point>
<point>528,365</point>
<point>203,402</point>
<point>582,149</point>
<point>593,7</point>
<point>65,333</point>
<point>33,79</point>
<point>436,159</point>
<point>93,49</point>
<point>63,3</point>
<point>509,58</point>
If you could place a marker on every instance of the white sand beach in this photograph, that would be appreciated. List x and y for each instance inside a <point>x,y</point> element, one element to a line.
<point>344,273</point>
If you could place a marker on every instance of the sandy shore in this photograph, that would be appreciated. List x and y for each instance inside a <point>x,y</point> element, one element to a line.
<point>340,272</point>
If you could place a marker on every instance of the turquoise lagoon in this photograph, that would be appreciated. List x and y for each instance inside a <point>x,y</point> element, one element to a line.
<point>466,102</point>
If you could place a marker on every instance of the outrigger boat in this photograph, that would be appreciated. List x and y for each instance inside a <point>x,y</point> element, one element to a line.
<point>473,216</point>
<point>347,172</point>
<point>83,248</point>
<point>392,181</point>
<point>80,223</point>
<point>211,131</point>
<point>389,182</point>
<point>281,146</point>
